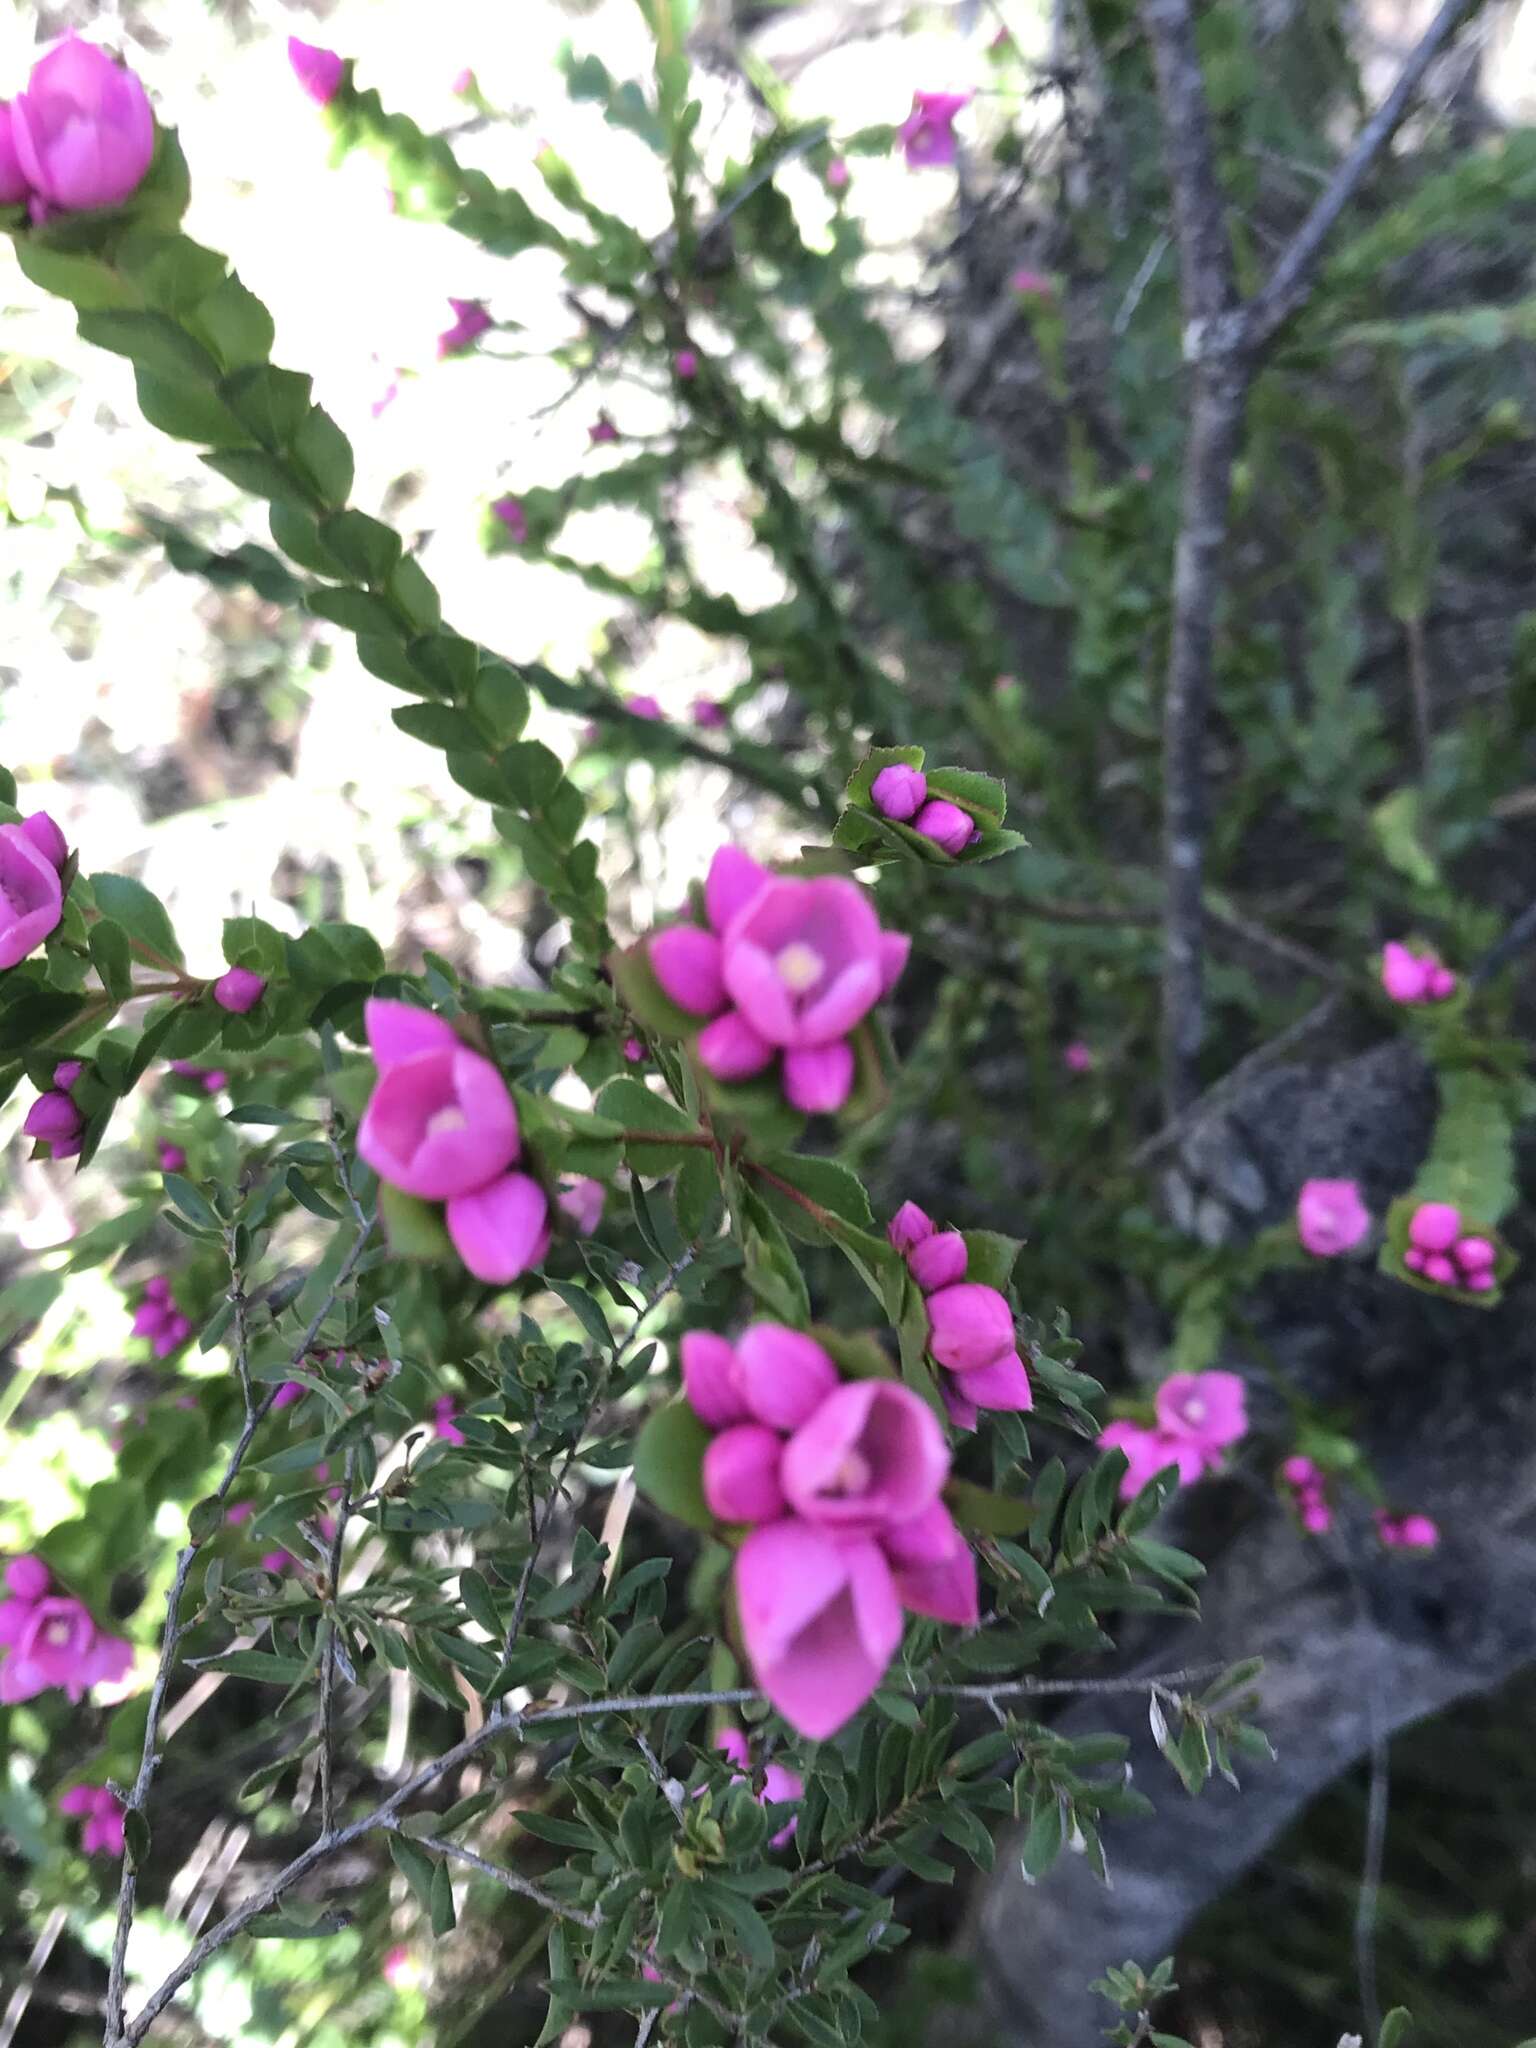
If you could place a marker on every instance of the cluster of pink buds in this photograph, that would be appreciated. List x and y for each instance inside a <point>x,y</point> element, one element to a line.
<point>1331,1217</point>
<point>80,136</point>
<point>54,1120</point>
<point>901,793</point>
<point>1406,1532</point>
<point>470,321</point>
<point>970,1326</point>
<point>102,1811</point>
<point>783,970</point>
<point>839,1484</point>
<point>32,855</point>
<point>780,1784</point>
<point>159,1319</point>
<point>209,1079</point>
<point>1197,1415</point>
<point>50,1639</point>
<point>441,1125</point>
<point>1441,1251</point>
<point>1410,977</point>
<point>1308,1485</point>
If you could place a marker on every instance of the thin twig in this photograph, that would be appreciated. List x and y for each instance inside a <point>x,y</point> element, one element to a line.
<point>510,1878</point>
<point>330,1629</point>
<point>37,1962</point>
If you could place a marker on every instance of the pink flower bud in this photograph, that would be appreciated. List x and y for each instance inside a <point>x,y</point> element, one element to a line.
<point>686,363</point>
<point>319,71</point>
<point>1406,1532</point>
<point>784,1376</point>
<point>711,1380</point>
<point>46,837</point>
<point>53,1118</point>
<point>707,713</point>
<point>1437,1267</point>
<point>731,1050</point>
<point>741,1474</point>
<point>1414,1259</point>
<point>1435,1226</point>
<point>969,1326</point>
<point>510,514</point>
<point>1331,1217</point>
<point>1482,1282</point>
<point>13,179</point>
<point>500,1230</point>
<point>837,173</point>
<point>909,1227</point>
<point>899,792</point>
<point>470,321</point>
<point>602,430</point>
<point>67,1073</point>
<point>872,1453</point>
<point>818,1079</point>
<point>733,1745</point>
<point>172,1157</point>
<point>1077,1057</point>
<point>83,130</point>
<point>648,708</point>
<point>158,1289</point>
<point>27,1577</point>
<point>1440,984</point>
<point>239,990</point>
<point>939,1261</point>
<point>31,897</point>
<point>444,1425</point>
<point>946,825</point>
<point>687,962</point>
<point>1472,1254</point>
<point>1316,1516</point>
<point>634,1051</point>
<point>1403,974</point>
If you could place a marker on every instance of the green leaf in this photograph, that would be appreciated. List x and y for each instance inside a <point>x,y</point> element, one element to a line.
<point>417,1868</point>
<point>140,913</point>
<point>996,1514</point>
<point>1395,2027</point>
<point>696,1196</point>
<point>440,1902</point>
<point>365,548</point>
<point>438,725</point>
<point>586,1312</point>
<point>187,411</point>
<point>324,454</point>
<point>192,1203</point>
<point>235,324</point>
<point>990,1257</point>
<point>414,1229</point>
<point>357,611</point>
<point>111,958</point>
<point>982,795</point>
<point>499,701</point>
<point>411,591</point>
<point>86,281</point>
<point>650,1121</point>
<point>532,772</point>
<point>152,342</point>
<point>669,1459</point>
<point>829,1184</point>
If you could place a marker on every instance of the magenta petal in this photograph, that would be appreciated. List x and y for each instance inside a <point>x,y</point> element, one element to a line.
<point>27,1577</point>
<point>397,1030</point>
<point>962,1413</point>
<point>820,1622</point>
<point>910,1226</point>
<point>850,996</point>
<point>731,1050</point>
<point>894,949</point>
<point>1004,1385</point>
<point>733,1745</point>
<point>734,878</point>
<point>757,990</point>
<point>784,1375</point>
<point>46,837</point>
<point>741,1474</point>
<point>1207,1407</point>
<point>818,1079</point>
<point>711,1380</point>
<point>927,1538</point>
<point>969,1326</point>
<point>944,1592</point>
<point>31,897</point>
<point>939,1261</point>
<point>686,961</point>
<point>78,1799</point>
<point>502,1230</point>
<point>871,1454</point>
<point>108,1660</point>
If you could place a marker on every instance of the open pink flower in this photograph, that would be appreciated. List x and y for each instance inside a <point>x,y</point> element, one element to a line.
<point>1331,1217</point>
<point>470,321</point>
<point>820,1621</point>
<point>1204,1408</point>
<point>103,1813</point>
<point>31,894</point>
<point>927,136</point>
<point>440,1122</point>
<point>319,71</point>
<point>83,131</point>
<point>872,1454</point>
<point>1147,1452</point>
<point>51,1640</point>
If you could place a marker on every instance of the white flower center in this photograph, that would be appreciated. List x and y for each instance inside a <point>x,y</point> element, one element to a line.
<point>57,1634</point>
<point>1194,1408</point>
<point>799,967</point>
<point>852,1476</point>
<point>444,1120</point>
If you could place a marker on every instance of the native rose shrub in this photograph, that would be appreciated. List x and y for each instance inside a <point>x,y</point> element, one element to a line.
<point>838,1487</point>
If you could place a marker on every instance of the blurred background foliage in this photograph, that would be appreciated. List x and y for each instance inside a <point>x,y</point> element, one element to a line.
<point>906,494</point>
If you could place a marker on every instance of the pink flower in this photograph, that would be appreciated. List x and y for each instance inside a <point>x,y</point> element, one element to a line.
<point>802,961</point>
<point>55,1122</point>
<point>47,838</point>
<point>872,1454</point>
<point>103,1811</point>
<point>1077,1057</point>
<point>837,173</point>
<point>440,1122</point>
<point>711,1379</point>
<point>644,707</point>
<point>1206,1409</point>
<point>1031,284</point>
<point>82,130</point>
<point>705,712</point>
<point>1397,1532</point>
<point>212,1078</point>
<point>602,430</point>
<point>741,1474</point>
<point>444,1409</point>
<point>1147,1452</point>
<point>950,828</point>
<point>172,1158</point>
<point>820,1621</point>
<point>400,1969</point>
<point>239,990</point>
<point>909,1227</point>
<point>160,1320</point>
<point>509,511</point>
<point>939,1261</point>
<point>31,895</point>
<point>500,1230</point>
<point>320,72</point>
<point>67,1073</point>
<point>899,792</point>
<point>1331,1217</point>
<point>582,1204</point>
<point>927,136</point>
<point>289,1392</point>
<point>1410,977</point>
<point>686,363</point>
<point>13,179</point>
<point>52,1640</point>
<point>934,1567</point>
<point>470,321</point>
<point>634,1051</point>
